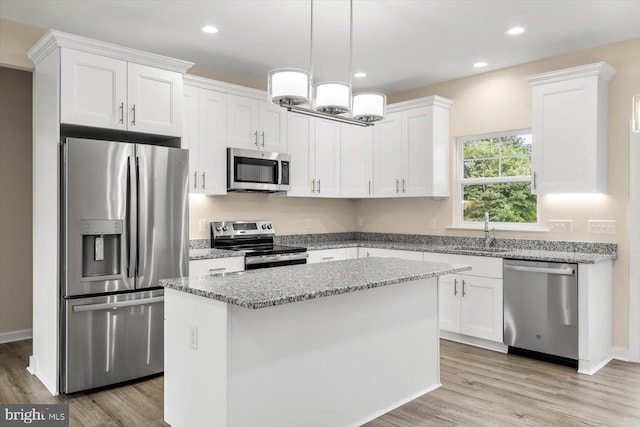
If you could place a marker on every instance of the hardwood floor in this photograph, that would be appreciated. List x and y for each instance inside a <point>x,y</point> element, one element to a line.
<point>480,388</point>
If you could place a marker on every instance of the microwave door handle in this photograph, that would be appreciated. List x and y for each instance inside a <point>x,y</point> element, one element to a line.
<point>279,172</point>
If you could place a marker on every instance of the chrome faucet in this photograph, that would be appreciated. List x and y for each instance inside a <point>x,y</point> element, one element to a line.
<point>488,240</point>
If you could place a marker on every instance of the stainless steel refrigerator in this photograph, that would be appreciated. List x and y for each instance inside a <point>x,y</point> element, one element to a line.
<point>124,226</point>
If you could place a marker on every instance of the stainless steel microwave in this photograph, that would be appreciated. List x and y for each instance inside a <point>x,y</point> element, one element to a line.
<point>253,170</point>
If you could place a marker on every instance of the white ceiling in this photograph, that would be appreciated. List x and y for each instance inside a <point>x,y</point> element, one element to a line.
<point>400,44</point>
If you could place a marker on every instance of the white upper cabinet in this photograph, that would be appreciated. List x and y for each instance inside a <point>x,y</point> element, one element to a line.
<point>301,134</point>
<point>315,156</point>
<point>256,125</point>
<point>387,156</point>
<point>411,149</point>
<point>327,144</point>
<point>570,123</point>
<point>205,136</point>
<point>154,99</point>
<point>356,161</point>
<point>104,92</point>
<point>93,90</point>
<point>190,136</point>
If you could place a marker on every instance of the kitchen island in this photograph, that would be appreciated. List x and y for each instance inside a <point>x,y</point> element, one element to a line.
<point>334,344</point>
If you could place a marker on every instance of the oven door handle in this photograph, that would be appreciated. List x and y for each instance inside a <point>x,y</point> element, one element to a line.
<point>263,259</point>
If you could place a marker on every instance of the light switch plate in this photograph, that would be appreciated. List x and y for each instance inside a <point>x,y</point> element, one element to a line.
<point>560,225</point>
<point>202,225</point>
<point>432,224</point>
<point>307,223</point>
<point>601,226</point>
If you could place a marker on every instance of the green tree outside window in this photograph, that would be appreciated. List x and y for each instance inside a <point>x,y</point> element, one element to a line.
<point>496,178</point>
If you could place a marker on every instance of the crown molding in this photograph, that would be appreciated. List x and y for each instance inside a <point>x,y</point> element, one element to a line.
<point>427,101</point>
<point>228,88</point>
<point>600,69</point>
<point>54,39</point>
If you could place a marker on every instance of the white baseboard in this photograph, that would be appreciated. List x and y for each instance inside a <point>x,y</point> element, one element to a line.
<point>32,365</point>
<point>476,342</point>
<point>24,334</point>
<point>396,405</point>
<point>621,354</point>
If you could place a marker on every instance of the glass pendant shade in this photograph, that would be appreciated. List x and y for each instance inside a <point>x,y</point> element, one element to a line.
<point>636,113</point>
<point>332,97</point>
<point>369,107</point>
<point>288,86</point>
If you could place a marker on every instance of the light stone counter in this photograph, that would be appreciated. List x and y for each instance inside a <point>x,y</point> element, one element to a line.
<point>274,286</point>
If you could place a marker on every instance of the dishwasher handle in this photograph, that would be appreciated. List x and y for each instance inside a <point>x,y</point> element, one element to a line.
<point>547,270</point>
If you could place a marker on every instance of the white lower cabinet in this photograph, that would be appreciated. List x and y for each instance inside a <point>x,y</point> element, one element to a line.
<point>389,253</point>
<point>326,255</point>
<point>200,267</point>
<point>471,304</point>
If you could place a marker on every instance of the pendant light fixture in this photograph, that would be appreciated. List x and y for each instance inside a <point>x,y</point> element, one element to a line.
<point>291,88</point>
<point>369,106</point>
<point>635,113</point>
<point>335,97</point>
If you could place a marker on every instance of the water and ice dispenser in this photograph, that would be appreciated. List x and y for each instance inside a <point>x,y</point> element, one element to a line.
<point>101,249</point>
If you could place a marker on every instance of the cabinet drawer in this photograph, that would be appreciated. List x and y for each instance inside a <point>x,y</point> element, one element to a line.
<point>201,267</point>
<point>389,253</point>
<point>480,265</point>
<point>326,255</point>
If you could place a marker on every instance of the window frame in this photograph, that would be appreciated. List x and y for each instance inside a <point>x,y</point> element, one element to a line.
<point>461,181</point>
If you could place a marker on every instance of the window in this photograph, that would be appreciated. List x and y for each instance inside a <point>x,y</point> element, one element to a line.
<point>494,175</point>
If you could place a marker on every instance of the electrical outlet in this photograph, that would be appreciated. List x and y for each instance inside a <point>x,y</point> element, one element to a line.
<point>193,337</point>
<point>601,227</point>
<point>560,225</point>
<point>202,225</point>
<point>359,222</point>
<point>307,223</point>
<point>432,224</point>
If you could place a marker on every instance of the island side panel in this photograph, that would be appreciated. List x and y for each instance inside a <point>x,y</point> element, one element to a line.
<point>595,316</point>
<point>334,361</point>
<point>195,379</point>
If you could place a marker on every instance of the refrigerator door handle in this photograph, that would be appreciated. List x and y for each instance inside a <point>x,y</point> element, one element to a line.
<point>127,219</point>
<point>137,216</point>
<point>115,305</point>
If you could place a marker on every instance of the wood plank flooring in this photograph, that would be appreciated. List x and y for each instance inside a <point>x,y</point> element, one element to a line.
<point>480,388</point>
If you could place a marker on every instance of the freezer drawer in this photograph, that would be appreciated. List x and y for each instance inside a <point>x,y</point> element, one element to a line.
<point>110,339</point>
<point>541,307</point>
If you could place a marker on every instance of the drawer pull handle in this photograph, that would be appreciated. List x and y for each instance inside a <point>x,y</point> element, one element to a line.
<point>455,287</point>
<point>328,258</point>
<point>218,269</point>
<point>463,289</point>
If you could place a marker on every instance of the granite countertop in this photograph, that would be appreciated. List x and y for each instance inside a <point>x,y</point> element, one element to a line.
<point>274,286</point>
<point>568,256</point>
<point>521,249</point>
<point>210,253</point>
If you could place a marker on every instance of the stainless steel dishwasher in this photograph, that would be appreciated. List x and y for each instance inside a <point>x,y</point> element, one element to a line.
<point>541,310</point>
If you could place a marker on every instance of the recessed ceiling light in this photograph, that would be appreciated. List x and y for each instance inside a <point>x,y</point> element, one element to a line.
<point>480,64</point>
<point>209,29</point>
<point>360,75</point>
<point>515,31</point>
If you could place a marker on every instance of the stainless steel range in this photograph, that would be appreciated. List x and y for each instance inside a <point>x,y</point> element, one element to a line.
<point>255,239</point>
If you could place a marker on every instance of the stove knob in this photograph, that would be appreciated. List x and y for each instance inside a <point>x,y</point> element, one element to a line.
<point>218,228</point>
<point>269,226</point>
<point>225,228</point>
<point>264,226</point>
